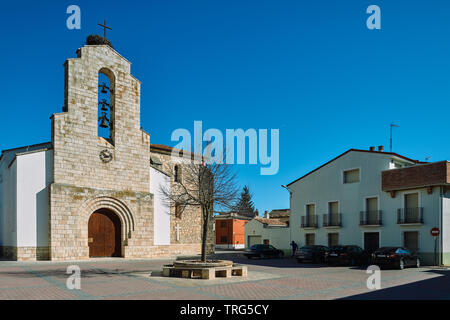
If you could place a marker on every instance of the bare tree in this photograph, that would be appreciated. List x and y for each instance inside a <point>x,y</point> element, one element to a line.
<point>209,186</point>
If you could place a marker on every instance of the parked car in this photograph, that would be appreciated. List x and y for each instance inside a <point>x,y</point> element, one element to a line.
<point>313,253</point>
<point>347,255</point>
<point>263,251</point>
<point>397,257</point>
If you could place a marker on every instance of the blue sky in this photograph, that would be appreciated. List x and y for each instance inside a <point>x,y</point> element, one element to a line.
<point>309,68</point>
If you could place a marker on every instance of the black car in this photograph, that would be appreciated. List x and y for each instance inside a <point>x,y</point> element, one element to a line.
<point>397,257</point>
<point>347,255</point>
<point>313,253</point>
<point>263,251</point>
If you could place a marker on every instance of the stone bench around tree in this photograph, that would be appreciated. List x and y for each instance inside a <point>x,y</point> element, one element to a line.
<point>204,272</point>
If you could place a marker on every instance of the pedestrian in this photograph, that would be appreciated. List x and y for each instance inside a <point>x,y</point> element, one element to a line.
<point>294,248</point>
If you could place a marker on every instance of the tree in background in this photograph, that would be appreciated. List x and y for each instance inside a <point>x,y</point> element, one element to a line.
<point>245,206</point>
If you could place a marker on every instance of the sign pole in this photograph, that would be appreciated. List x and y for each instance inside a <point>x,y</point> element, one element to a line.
<point>435,252</point>
<point>435,232</point>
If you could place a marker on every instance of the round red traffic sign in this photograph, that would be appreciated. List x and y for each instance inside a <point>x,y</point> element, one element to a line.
<point>435,232</point>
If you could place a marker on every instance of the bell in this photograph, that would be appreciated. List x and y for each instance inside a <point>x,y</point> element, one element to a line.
<point>104,121</point>
<point>104,104</point>
<point>104,87</point>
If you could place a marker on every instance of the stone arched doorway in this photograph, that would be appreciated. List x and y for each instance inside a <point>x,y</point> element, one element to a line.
<point>104,234</point>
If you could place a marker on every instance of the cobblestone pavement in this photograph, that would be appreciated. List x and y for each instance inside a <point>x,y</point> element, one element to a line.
<point>268,279</point>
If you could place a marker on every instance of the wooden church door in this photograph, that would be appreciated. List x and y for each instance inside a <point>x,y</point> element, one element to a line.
<point>104,234</point>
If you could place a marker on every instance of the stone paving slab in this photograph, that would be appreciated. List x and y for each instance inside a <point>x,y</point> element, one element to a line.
<point>267,279</point>
<point>253,276</point>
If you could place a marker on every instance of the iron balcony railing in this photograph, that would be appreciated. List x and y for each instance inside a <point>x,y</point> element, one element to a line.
<point>372,218</point>
<point>309,221</point>
<point>332,220</point>
<point>410,215</point>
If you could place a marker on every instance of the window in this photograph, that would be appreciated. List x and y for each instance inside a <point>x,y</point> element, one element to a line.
<point>177,174</point>
<point>372,214</point>
<point>333,213</point>
<point>333,239</point>
<point>351,176</point>
<point>411,201</point>
<point>178,210</point>
<point>412,213</point>
<point>310,210</point>
<point>411,240</point>
<point>223,239</point>
<point>310,239</point>
<point>372,204</point>
<point>333,207</point>
<point>223,224</point>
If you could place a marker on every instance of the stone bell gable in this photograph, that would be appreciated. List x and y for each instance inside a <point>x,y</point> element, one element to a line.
<point>77,146</point>
<point>93,173</point>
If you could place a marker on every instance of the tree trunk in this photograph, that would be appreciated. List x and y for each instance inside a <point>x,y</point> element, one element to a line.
<point>205,214</point>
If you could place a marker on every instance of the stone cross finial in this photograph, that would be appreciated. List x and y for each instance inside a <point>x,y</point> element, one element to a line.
<point>104,26</point>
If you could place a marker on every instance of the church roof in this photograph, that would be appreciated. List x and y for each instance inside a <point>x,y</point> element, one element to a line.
<point>27,149</point>
<point>161,148</point>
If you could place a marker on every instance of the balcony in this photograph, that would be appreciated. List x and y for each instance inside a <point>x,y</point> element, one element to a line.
<point>370,218</point>
<point>332,220</point>
<point>309,222</point>
<point>410,216</point>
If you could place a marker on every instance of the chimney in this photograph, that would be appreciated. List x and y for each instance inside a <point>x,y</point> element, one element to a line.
<point>381,148</point>
<point>266,214</point>
<point>372,149</point>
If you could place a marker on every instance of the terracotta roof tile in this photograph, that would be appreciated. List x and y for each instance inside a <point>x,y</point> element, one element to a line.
<point>271,221</point>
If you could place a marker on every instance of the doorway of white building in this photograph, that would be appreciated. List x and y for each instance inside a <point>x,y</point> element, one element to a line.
<point>254,240</point>
<point>371,241</point>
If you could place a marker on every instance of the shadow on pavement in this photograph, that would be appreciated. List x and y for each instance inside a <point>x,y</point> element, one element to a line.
<point>286,262</point>
<point>437,288</point>
<point>61,273</point>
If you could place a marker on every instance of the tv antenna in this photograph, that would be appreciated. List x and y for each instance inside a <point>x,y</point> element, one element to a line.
<point>390,140</point>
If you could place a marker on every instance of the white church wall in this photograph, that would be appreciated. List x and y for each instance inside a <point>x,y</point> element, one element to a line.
<point>34,172</point>
<point>161,209</point>
<point>8,191</point>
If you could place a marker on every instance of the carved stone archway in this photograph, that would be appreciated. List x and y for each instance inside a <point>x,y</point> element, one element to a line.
<point>118,207</point>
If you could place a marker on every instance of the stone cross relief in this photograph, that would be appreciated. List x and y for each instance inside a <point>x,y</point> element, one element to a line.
<point>178,228</point>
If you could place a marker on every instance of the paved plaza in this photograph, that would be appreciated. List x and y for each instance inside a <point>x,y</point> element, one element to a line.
<point>268,279</point>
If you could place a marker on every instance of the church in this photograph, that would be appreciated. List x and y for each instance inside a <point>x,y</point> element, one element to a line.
<point>94,190</point>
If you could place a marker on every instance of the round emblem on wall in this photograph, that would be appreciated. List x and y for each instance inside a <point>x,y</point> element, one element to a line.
<point>106,156</point>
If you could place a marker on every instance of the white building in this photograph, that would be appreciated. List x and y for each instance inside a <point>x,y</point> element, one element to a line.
<point>268,231</point>
<point>374,199</point>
